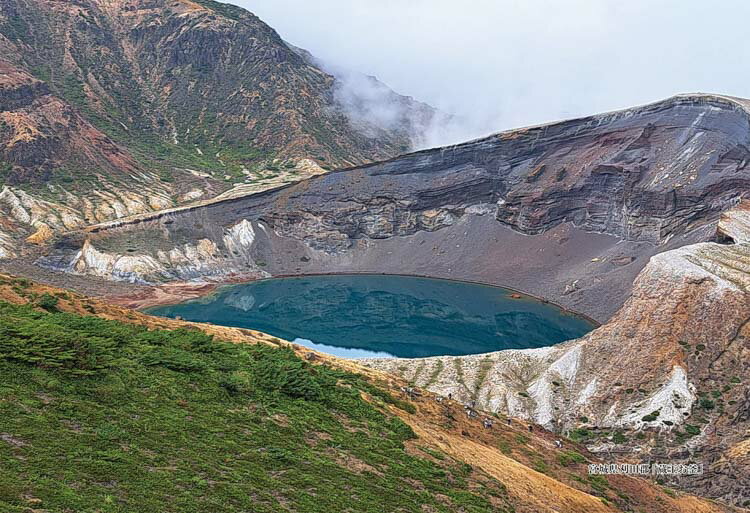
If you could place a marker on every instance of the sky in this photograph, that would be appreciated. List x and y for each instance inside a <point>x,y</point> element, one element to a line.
<point>500,64</point>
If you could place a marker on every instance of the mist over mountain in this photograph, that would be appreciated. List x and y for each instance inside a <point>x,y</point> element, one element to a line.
<point>501,64</point>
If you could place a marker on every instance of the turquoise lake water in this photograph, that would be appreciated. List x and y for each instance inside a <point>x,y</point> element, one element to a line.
<point>383,315</point>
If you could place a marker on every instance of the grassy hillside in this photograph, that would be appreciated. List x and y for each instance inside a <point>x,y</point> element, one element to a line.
<point>99,415</point>
<point>104,409</point>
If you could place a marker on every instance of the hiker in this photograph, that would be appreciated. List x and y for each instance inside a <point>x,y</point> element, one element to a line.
<point>439,398</point>
<point>487,424</point>
<point>473,404</point>
<point>450,396</point>
<point>508,421</point>
<point>531,428</point>
<point>558,444</point>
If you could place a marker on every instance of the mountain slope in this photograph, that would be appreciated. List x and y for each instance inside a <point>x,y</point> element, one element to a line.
<point>189,73</point>
<point>119,411</point>
<point>161,102</point>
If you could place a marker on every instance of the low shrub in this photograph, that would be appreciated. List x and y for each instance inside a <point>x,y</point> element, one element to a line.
<point>568,458</point>
<point>48,302</point>
<point>580,435</point>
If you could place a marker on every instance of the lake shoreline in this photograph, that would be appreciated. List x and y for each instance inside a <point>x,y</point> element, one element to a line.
<point>180,292</point>
<point>402,315</point>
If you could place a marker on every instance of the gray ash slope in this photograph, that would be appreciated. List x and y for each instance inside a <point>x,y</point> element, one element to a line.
<point>571,211</point>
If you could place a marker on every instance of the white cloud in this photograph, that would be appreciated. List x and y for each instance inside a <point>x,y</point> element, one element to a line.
<point>507,63</point>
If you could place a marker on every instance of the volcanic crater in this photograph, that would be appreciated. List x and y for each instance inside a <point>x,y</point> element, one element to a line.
<point>634,218</point>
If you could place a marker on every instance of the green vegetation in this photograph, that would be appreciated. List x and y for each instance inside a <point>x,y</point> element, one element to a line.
<point>706,403</point>
<point>15,28</point>
<point>48,302</point>
<point>417,373</point>
<point>599,484</point>
<point>580,435</point>
<point>103,416</point>
<point>540,466</point>
<point>5,169</point>
<point>166,175</point>
<point>149,147</point>
<point>459,371</point>
<point>689,432</point>
<point>651,416</point>
<point>484,369</point>
<point>72,90</point>
<point>435,374</point>
<point>568,458</point>
<point>163,156</point>
<point>619,437</point>
<point>227,10</point>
